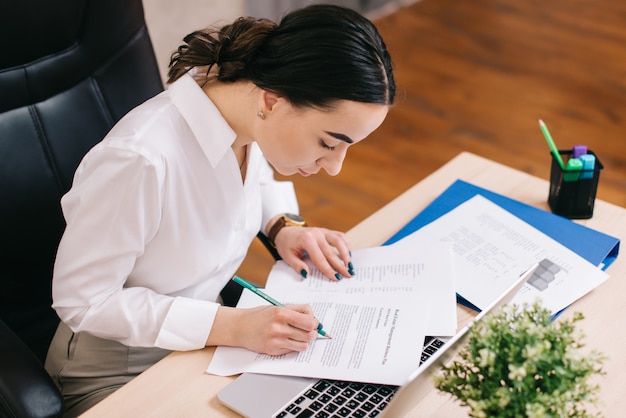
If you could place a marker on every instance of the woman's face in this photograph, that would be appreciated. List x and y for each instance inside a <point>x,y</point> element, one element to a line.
<point>305,140</point>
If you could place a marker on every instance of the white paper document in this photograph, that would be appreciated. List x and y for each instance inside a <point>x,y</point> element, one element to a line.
<point>492,247</point>
<point>419,269</point>
<point>376,342</point>
<point>377,319</point>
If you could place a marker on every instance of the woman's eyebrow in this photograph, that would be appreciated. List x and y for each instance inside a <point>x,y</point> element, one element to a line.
<point>341,137</point>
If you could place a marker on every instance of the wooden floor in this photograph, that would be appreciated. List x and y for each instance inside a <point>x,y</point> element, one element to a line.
<point>476,76</point>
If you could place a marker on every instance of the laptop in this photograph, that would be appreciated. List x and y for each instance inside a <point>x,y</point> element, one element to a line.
<point>262,396</point>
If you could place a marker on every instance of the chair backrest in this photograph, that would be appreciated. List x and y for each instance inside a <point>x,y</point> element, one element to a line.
<point>69,70</point>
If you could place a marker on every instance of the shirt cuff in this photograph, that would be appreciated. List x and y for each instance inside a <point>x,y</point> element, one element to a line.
<point>187,324</point>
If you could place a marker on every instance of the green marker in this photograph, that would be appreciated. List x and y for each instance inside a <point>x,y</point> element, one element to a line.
<point>573,169</point>
<point>550,142</point>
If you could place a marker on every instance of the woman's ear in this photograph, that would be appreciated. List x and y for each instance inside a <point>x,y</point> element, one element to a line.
<point>268,100</point>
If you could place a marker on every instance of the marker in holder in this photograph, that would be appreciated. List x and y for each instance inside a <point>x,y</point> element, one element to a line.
<point>573,192</point>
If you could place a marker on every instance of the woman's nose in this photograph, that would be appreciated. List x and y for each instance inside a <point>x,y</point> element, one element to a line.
<point>332,163</point>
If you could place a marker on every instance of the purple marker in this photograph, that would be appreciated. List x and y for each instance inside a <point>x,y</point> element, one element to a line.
<point>579,150</point>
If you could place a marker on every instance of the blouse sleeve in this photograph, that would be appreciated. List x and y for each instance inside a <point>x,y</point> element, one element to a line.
<point>112,211</point>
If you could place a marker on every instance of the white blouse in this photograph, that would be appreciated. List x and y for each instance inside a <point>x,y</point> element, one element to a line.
<point>158,220</point>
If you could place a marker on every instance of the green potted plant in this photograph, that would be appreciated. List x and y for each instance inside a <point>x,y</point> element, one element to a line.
<point>520,363</point>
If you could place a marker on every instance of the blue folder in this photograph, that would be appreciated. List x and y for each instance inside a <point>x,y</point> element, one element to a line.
<point>596,247</point>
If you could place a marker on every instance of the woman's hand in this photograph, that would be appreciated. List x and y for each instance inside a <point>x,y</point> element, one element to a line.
<point>327,249</point>
<point>272,330</point>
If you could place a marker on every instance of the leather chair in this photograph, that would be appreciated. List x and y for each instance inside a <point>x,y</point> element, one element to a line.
<point>69,70</point>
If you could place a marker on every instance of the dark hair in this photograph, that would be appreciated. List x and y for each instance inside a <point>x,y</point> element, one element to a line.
<point>315,56</point>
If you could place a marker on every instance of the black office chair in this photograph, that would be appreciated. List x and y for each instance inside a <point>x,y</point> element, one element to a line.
<point>69,70</point>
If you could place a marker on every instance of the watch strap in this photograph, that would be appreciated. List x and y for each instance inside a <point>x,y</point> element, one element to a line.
<point>280,223</point>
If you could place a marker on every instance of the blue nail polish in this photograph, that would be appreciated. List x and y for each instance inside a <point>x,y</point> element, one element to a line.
<point>351,272</point>
<point>338,276</point>
<point>320,326</point>
<point>350,266</point>
<point>303,273</point>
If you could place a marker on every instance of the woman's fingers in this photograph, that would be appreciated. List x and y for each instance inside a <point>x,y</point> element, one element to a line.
<point>328,250</point>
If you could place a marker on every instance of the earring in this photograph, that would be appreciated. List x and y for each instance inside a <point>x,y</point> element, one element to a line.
<point>260,114</point>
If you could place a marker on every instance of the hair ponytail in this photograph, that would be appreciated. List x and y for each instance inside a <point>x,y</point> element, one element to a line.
<point>230,48</point>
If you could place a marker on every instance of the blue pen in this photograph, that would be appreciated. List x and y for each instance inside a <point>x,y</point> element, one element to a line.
<point>271,300</point>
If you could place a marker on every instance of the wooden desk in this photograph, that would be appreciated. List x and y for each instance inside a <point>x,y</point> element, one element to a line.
<point>178,385</point>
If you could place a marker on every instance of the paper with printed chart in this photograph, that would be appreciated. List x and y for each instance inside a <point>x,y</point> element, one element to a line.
<point>492,247</point>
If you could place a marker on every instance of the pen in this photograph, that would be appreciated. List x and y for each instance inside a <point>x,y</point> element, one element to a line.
<point>258,292</point>
<point>555,151</point>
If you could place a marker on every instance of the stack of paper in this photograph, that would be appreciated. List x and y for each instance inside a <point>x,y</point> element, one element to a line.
<point>491,247</point>
<point>406,290</point>
<point>377,319</point>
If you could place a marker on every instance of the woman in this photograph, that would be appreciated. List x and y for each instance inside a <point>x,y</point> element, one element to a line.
<point>162,212</point>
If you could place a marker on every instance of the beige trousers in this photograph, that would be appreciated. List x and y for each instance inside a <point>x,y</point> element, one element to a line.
<point>87,369</point>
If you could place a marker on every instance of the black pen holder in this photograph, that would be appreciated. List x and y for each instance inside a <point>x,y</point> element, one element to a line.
<point>573,193</point>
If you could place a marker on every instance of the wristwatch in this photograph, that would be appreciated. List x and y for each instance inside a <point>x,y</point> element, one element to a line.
<point>286,219</point>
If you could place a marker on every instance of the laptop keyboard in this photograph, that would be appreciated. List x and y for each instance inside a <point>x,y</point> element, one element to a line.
<point>431,345</point>
<point>339,398</point>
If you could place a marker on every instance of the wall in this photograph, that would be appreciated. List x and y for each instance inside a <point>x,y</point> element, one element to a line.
<point>169,21</point>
